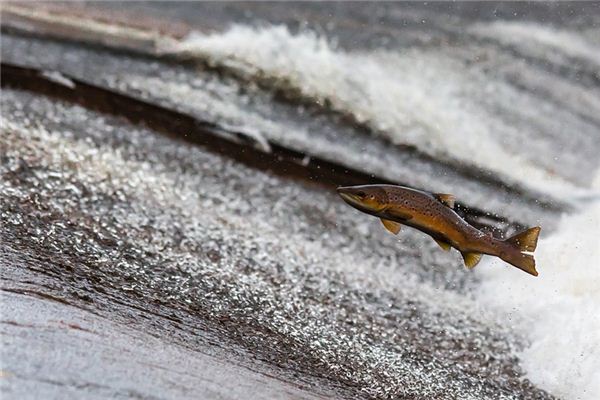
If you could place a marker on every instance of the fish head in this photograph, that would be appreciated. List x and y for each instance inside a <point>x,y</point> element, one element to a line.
<point>371,199</point>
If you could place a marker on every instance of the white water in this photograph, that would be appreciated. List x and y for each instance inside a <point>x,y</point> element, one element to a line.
<point>415,97</point>
<point>559,311</point>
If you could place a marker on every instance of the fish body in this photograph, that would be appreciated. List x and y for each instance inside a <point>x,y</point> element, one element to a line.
<point>433,214</point>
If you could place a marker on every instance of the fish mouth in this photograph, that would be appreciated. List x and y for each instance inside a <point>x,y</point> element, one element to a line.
<point>350,199</point>
<point>350,196</point>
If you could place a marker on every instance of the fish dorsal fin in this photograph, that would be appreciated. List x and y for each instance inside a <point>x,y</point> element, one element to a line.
<point>391,226</point>
<point>471,259</point>
<point>444,245</point>
<point>447,199</point>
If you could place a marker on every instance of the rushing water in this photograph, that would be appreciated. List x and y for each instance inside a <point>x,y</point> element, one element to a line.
<point>433,99</point>
<point>490,101</point>
<point>559,312</point>
<point>498,105</point>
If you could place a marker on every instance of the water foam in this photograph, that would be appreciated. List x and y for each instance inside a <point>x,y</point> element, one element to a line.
<point>417,97</point>
<point>558,311</point>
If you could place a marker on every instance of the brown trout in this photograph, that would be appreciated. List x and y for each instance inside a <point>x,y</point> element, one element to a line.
<point>433,214</point>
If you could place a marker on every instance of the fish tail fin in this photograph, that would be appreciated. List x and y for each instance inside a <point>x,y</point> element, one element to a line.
<point>525,241</point>
<point>524,262</point>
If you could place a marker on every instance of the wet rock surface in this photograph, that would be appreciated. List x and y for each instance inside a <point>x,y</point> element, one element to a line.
<point>75,353</point>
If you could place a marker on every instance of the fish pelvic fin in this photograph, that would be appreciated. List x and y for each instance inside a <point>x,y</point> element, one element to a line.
<point>525,240</point>
<point>444,245</point>
<point>444,198</point>
<point>471,259</point>
<point>391,226</point>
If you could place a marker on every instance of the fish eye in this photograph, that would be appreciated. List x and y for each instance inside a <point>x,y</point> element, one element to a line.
<point>372,197</point>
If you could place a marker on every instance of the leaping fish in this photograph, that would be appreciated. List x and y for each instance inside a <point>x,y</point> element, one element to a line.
<point>433,214</point>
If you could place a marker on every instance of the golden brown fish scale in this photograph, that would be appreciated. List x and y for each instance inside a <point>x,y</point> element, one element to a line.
<point>434,215</point>
<point>431,216</point>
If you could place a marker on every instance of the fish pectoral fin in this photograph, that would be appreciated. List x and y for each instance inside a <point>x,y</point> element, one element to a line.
<point>471,259</point>
<point>447,199</point>
<point>391,226</point>
<point>444,245</point>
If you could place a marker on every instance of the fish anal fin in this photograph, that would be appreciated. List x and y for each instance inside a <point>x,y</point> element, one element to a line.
<point>444,245</point>
<point>471,259</point>
<point>391,226</point>
<point>525,240</point>
<point>447,199</point>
